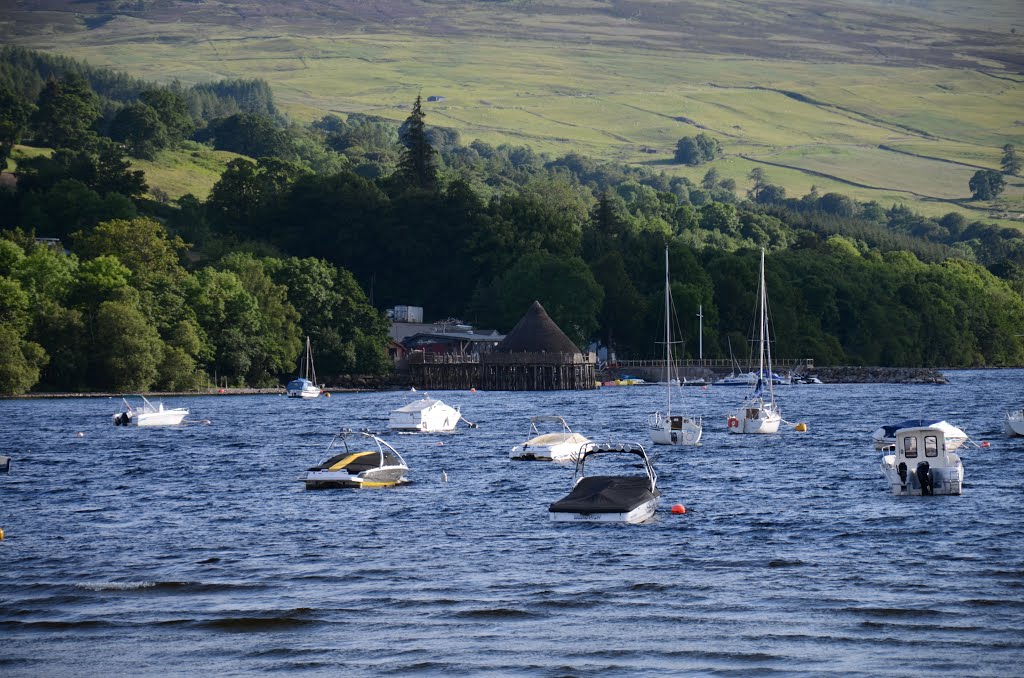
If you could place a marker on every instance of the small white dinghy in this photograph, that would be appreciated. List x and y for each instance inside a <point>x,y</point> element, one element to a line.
<point>426,415</point>
<point>549,445</point>
<point>629,498</point>
<point>922,463</point>
<point>148,414</point>
<point>1014,423</point>
<point>357,459</point>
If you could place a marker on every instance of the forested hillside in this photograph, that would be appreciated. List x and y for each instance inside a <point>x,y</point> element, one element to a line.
<point>323,226</point>
<point>896,101</point>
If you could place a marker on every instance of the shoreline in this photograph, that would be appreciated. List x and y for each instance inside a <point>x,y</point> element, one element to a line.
<point>829,375</point>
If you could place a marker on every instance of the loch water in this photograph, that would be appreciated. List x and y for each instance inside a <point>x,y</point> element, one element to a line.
<point>196,551</point>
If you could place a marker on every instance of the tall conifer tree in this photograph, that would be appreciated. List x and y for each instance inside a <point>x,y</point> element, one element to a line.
<point>418,165</point>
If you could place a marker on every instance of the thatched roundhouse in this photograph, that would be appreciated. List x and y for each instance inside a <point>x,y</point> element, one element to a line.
<point>537,356</point>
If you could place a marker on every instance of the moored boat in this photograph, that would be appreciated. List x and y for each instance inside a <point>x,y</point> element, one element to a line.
<point>357,459</point>
<point>545,444</point>
<point>664,427</point>
<point>426,415</point>
<point>305,385</point>
<point>1013,424</point>
<point>618,498</point>
<point>921,463</point>
<point>759,413</point>
<point>148,414</point>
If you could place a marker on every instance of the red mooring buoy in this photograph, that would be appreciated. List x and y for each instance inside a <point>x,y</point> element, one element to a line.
<point>679,509</point>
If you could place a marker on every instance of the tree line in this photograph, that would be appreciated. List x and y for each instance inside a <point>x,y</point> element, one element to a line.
<point>175,295</point>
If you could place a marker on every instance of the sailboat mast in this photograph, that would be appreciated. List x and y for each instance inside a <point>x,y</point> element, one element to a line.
<point>766,347</point>
<point>305,372</point>
<point>312,369</point>
<point>668,341</point>
<point>762,322</point>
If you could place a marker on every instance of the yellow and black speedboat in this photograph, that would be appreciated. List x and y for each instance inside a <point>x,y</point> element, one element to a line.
<point>357,459</point>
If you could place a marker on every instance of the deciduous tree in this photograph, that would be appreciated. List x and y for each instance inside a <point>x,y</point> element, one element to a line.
<point>987,184</point>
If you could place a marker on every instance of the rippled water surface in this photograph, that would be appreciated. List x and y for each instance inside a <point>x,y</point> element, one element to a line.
<point>150,552</point>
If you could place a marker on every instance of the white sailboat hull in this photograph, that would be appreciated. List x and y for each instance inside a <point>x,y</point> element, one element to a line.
<point>1014,423</point>
<point>306,392</point>
<point>751,420</point>
<point>674,430</point>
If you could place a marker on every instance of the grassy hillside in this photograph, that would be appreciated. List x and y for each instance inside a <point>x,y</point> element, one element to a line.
<point>193,169</point>
<point>893,101</point>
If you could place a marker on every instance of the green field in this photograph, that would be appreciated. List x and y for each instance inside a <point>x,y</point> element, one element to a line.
<point>895,102</point>
<point>192,169</point>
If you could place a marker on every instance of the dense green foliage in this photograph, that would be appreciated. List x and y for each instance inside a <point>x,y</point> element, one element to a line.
<point>987,184</point>
<point>328,223</point>
<point>697,150</point>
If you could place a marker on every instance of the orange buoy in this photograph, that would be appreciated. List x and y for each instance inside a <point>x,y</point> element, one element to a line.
<point>221,391</point>
<point>984,443</point>
<point>679,509</point>
<point>472,390</point>
<point>440,444</point>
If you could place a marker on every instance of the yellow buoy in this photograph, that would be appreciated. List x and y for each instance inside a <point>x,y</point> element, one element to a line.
<point>1,535</point>
<point>801,427</point>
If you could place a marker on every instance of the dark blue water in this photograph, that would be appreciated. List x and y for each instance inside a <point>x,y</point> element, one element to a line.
<point>195,550</point>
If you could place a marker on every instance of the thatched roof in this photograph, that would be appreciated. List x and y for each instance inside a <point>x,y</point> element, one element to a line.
<point>536,332</point>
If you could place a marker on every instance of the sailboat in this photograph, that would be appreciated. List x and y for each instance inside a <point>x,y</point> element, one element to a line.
<point>305,386</point>
<point>666,428</point>
<point>757,414</point>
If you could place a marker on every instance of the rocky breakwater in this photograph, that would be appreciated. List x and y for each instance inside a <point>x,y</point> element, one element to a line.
<point>881,375</point>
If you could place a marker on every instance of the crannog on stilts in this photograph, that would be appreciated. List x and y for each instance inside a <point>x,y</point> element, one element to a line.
<point>535,356</point>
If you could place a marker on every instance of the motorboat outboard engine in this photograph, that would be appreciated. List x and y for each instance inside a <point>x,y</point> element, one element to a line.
<point>902,470</point>
<point>924,478</point>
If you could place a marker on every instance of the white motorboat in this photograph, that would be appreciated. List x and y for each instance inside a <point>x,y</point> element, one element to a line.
<point>305,385</point>
<point>884,437</point>
<point>1014,423</point>
<point>357,459</point>
<point>545,444</point>
<point>148,414</point>
<point>759,413</point>
<point>616,498</point>
<point>426,415</point>
<point>664,427</point>
<point>921,463</point>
